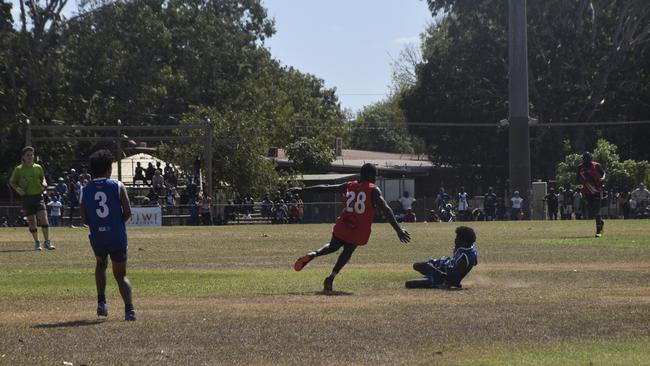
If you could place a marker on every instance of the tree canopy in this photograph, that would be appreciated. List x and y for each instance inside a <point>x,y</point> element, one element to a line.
<point>588,61</point>
<point>164,62</point>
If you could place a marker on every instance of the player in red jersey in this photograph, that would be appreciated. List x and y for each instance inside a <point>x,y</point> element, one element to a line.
<point>591,175</point>
<point>352,229</point>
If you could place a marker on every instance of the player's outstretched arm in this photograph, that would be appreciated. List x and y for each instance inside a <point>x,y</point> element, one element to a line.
<point>321,188</point>
<point>126,204</point>
<point>380,203</point>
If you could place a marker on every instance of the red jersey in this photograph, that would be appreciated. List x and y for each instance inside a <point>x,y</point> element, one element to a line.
<point>353,225</point>
<point>590,178</point>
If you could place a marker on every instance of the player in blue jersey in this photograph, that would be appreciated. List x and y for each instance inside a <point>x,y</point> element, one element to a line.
<point>105,208</point>
<point>448,272</point>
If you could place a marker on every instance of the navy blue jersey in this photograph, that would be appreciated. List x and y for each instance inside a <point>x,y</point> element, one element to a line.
<point>102,200</point>
<point>446,264</point>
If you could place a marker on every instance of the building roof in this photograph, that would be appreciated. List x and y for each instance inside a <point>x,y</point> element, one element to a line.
<point>351,160</point>
<point>325,177</point>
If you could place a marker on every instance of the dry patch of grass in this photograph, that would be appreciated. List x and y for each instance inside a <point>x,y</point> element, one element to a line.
<point>227,295</point>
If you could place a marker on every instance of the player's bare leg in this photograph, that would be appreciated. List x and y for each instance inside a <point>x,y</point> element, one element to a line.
<point>343,259</point>
<point>45,227</point>
<point>119,272</point>
<point>100,282</point>
<point>31,220</point>
<point>326,249</point>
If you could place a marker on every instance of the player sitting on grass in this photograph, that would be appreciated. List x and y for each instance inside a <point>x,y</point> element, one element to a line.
<point>448,272</point>
<point>352,228</point>
<point>105,208</point>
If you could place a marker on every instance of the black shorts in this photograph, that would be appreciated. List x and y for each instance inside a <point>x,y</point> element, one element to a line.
<point>119,255</point>
<point>594,203</point>
<point>33,204</point>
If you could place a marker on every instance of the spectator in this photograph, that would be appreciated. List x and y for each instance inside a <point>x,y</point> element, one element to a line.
<point>300,204</point>
<point>640,198</point>
<point>74,189</point>
<point>560,201</point>
<point>249,206</point>
<point>171,198</point>
<point>409,216</point>
<point>267,207</point>
<point>552,202</point>
<point>153,196</point>
<point>463,204</point>
<point>624,202</point>
<point>577,203</point>
<point>239,204</point>
<point>205,208</point>
<point>139,174</point>
<point>84,177</point>
<point>441,199</point>
<point>490,205</point>
<point>149,173</point>
<point>184,199</point>
<point>501,210</point>
<point>61,188</point>
<point>55,210</point>
<point>73,175</point>
<point>280,213</point>
<point>229,212</point>
<point>158,182</point>
<point>172,180</point>
<point>194,211</point>
<point>567,211</point>
<point>406,201</point>
<point>515,207</point>
<point>167,171</point>
<point>192,189</point>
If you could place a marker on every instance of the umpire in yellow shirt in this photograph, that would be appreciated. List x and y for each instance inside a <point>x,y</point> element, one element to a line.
<point>28,180</point>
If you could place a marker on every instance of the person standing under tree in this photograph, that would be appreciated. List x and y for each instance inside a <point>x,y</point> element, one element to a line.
<point>28,180</point>
<point>591,175</point>
<point>352,229</point>
<point>552,202</point>
<point>490,204</point>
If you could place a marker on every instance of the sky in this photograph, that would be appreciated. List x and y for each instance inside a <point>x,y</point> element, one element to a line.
<point>348,43</point>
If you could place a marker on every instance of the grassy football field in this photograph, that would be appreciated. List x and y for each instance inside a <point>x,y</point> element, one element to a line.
<point>544,293</point>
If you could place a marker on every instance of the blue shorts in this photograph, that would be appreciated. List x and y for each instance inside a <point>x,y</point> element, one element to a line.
<point>119,255</point>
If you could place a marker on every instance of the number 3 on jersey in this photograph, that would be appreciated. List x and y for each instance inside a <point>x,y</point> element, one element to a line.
<point>358,205</point>
<point>102,211</point>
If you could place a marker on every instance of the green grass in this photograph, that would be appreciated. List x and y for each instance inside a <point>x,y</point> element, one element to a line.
<point>544,293</point>
<point>610,352</point>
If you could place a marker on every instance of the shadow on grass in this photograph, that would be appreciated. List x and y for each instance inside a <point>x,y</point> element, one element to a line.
<point>333,293</point>
<point>578,237</point>
<point>68,324</point>
<point>16,250</point>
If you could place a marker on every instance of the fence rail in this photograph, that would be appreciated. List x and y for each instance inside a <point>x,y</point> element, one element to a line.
<point>258,213</point>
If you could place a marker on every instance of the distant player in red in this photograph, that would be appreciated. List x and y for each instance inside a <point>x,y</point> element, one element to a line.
<point>591,175</point>
<point>352,229</point>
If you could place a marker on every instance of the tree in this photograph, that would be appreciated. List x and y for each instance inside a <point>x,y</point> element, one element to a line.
<point>382,127</point>
<point>588,62</point>
<point>310,155</point>
<point>166,62</point>
<point>621,176</point>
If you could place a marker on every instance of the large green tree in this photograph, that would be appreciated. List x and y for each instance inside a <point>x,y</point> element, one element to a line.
<point>167,62</point>
<point>587,62</point>
<point>382,127</point>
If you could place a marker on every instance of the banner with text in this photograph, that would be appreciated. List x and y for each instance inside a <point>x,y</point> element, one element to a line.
<point>145,216</point>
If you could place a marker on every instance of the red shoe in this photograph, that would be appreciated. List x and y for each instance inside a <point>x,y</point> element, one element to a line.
<point>302,262</point>
<point>327,284</point>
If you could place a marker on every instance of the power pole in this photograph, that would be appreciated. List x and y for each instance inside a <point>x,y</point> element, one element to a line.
<point>519,134</point>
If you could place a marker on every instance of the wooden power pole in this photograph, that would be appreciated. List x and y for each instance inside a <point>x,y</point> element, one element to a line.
<point>519,133</point>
